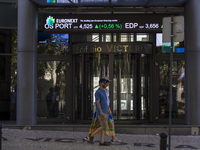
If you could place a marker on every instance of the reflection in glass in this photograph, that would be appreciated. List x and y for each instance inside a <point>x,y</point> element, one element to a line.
<point>123,78</point>
<point>8,83</point>
<point>100,68</point>
<point>13,87</point>
<point>178,88</point>
<point>78,86</point>
<point>53,44</point>
<point>124,86</point>
<point>131,105</point>
<point>67,1</point>
<point>107,37</point>
<point>115,105</point>
<point>162,47</point>
<point>2,68</point>
<point>95,37</point>
<point>123,104</point>
<point>51,77</point>
<point>130,86</point>
<point>126,37</point>
<point>143,37</point>
<point>87,75</point>
<point>114,37</point>
<point>144,85</point>
<point>95,88</point>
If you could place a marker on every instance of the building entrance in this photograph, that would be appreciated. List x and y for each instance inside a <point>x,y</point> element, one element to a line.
<point>128,70</point>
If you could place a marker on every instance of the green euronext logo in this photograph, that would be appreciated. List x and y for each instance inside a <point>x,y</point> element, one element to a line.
<point>51,1</point>
<point>50,20</point>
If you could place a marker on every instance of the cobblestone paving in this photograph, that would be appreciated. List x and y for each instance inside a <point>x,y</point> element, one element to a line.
<point>16,139</point>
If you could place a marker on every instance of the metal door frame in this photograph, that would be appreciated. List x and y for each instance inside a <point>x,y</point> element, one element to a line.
<point>138,113</point>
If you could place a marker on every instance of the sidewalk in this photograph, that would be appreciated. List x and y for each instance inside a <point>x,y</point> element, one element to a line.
<point>16,139</point>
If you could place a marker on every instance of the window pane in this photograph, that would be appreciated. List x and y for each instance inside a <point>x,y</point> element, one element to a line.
<point>8,87</point>
<point>127,37</point>
<point>131,37</point>
<point>178,89</point>
<point>95,37</point>
<point>51,89</point>
<point>114,37</point>
<point>124,37</point>
<point>53,44</point>
<point>162,47</point>
<point>143,37</point>
<point>107,37</point>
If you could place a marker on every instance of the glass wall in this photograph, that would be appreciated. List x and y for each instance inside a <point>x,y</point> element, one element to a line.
<point>126,37</point>
<point>51,89</point>
<point>8,74</point>
<point>178,88</point>
<point>107,37</point>
<point>142,37</point>
<point>53,44</point>
<point>121,37</point>
<point>178,77</point>
<point>53,51</point>
<point>164,48</point>
<point>78,80</point>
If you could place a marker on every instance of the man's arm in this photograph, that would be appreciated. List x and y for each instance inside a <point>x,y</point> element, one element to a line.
<point>99,107</point>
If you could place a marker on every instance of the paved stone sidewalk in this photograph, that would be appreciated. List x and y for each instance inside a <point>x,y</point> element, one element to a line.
<point>16,139</point>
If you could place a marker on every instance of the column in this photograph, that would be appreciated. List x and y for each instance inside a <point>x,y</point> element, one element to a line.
<point>192,52</point>
<point>27,63</point>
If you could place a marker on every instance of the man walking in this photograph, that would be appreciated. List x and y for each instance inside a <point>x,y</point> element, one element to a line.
<point>110,130</point>
<point>102,111</point>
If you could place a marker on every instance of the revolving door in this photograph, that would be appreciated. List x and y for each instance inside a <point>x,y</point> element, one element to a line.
<point>130,86</point>
<point>129,94</point>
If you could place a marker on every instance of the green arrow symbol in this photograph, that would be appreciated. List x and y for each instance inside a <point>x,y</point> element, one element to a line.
<point>161,26</point>
<point>96,27</point>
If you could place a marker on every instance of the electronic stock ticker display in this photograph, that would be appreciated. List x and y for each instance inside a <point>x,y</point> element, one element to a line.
<point>99,23</point>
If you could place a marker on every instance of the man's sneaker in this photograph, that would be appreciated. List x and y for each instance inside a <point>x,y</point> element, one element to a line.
<point>104,144</point>
<point>115,141</point>
<point>87,139</point>
<point>91,138</point>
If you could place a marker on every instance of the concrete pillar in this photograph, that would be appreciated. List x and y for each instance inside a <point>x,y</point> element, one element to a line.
<point>192,46</point>
<point>27,63</point>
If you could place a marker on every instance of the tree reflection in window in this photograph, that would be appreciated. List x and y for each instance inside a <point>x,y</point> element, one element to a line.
<point>53,44</point>
<point>178,89</point>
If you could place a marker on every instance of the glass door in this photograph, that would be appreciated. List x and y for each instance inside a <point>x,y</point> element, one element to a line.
<point>123,95</point>
<point>144,82</point>
<point>89,69</point>
<point>130,86</point>
<point>130,79</point>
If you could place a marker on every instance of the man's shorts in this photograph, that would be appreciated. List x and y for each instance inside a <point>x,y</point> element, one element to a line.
<point>103,120</point>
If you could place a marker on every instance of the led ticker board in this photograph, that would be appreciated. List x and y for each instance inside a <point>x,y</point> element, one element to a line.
<point>101,23</point>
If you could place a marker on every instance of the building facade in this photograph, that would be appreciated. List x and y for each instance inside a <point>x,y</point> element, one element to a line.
<point>68,47</point>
